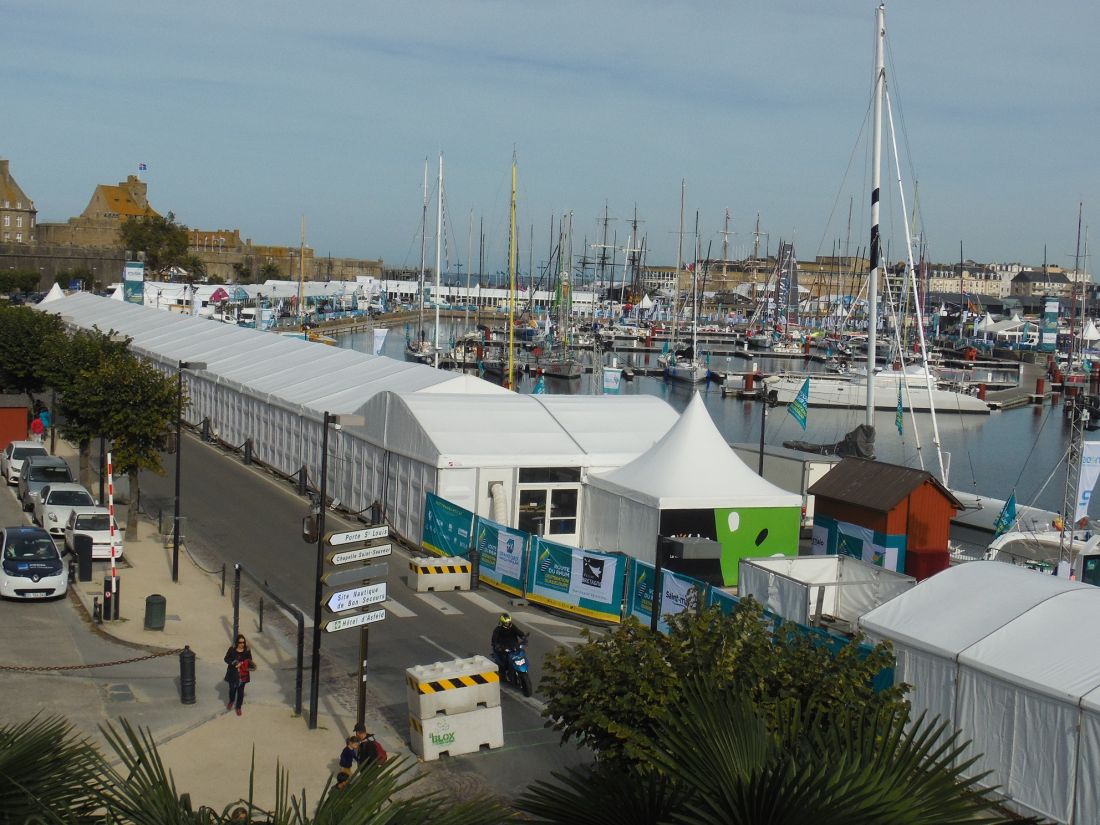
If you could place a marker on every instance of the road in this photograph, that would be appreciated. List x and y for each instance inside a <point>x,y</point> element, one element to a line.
<point>240,514</point>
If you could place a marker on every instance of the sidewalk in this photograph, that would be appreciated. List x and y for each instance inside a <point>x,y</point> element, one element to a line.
<point>210,753</point>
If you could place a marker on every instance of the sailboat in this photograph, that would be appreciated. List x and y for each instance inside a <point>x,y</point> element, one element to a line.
<point>684,364</point>
<point>422,350</point>
<point>506,367</point>
<point>914,383</point>
<point>558,361</point>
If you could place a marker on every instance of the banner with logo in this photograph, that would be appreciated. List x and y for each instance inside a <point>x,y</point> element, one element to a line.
<point>844,539</point>
<point>1090,471</point>
<point>680,593</point>
<point>612,378</point>
<point>133,282</point>
<point>501,552</point>
<point>447,527</point>
<point>725,601</point>
<point>579,581</point>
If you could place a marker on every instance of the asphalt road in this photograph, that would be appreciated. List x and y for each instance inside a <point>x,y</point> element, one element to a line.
<point>240,514</point>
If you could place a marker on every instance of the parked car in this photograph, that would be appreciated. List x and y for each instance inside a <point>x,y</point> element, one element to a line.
<point>30,566</point>
<point>11,460</point>
<point>55,502</point>
<point>94,522</point>
<point>39,471</point>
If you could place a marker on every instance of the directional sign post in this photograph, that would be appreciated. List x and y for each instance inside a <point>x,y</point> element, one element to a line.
<point>361,554</point>
<point>356,597</point>
<point>356,620</point>
<point>365,534</point>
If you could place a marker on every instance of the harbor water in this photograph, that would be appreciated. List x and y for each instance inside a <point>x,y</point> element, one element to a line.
<point>1020,450</point>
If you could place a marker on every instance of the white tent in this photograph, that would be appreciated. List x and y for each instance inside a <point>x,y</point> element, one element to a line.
<point>1090,332</point>
<point>1004,654</point>
<point>984,324</point>
<point>54,294</point>
<point>646,302</point>
<point>690,468</point>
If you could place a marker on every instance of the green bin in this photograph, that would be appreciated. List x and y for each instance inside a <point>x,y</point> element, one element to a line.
<point>154,612</point>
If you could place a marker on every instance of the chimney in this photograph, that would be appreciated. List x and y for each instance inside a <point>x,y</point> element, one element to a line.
<point>3,169</point>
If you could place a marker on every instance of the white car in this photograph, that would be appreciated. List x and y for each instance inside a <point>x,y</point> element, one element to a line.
<point>54,503</point>
<point>11,460</point>
<point>30,566</point>
<point>94,522</point>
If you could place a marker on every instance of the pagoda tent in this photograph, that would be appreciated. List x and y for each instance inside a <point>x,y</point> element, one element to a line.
<point>690,483</point>
<point>1090,334</point>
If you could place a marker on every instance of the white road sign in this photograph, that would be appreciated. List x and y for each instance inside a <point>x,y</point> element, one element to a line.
<point>356,597</point>
<point>358,620</point>
<point>360,554</point>
<point>365,534</point>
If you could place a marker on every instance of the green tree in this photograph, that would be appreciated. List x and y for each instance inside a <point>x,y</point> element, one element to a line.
<point>242,272</point>
<point>29,343</point>
<point>610,692</point>
<point>718,757</point>
<point>19,280</point>
<point>138,418</point>
<point>79,273</point>
<point>270,272</point>
<point>195,266</point>
<point>163,241</point>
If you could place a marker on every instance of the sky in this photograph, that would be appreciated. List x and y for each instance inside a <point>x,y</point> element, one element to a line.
<point>252,114</point>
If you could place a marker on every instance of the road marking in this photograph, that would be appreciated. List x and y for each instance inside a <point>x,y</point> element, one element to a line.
<point>438,646</point>
<point>438,603</point>
<point>480,601</point>
<point>397,609</point>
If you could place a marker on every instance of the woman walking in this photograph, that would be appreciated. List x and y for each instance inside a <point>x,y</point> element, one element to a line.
<point>239,664</point>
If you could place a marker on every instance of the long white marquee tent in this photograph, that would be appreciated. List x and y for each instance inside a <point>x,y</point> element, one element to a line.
<point>1006,655</point>
<point>426,430</point>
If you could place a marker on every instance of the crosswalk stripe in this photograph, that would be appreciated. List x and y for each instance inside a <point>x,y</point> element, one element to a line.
<point>398,610</point>
<point>480,601</point>
<point>438,604</point>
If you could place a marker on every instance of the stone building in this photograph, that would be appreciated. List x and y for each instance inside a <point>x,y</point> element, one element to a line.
<point>99,224</point>
<point>17,212</point>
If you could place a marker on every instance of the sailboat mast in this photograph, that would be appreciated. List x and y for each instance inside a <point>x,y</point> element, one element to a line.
<point>679,266</point>
<point>876,162</point>
<point>438,254</point>
<point>302,272</point>
<point>511,278</point>
<point>1073,291</point>
<point>423,252</point>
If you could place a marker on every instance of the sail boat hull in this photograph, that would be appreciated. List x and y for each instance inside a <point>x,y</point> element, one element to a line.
<point>852,394</point>
<point>688,372</point>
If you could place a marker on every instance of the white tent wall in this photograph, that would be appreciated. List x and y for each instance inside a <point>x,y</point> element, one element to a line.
<point>780,594</point>
<point>1086,799</point>
<point>614,523</point>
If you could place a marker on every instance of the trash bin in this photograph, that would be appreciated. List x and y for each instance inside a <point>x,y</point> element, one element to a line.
<point>154,612</point>
<point>83,546</point>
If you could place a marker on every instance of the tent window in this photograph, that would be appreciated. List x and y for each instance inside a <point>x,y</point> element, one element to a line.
<point>549,475</point>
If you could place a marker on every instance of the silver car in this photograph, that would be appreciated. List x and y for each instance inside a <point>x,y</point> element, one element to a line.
<point>54,503</point>
<point>11,460</point>
<point>38,472</point>
<point>96,523</point>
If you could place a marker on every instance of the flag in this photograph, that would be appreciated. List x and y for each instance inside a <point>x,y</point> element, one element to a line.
<point>1007,519</point>
<point>797,408</point>
<point>899,418</point>
<point>540,386</point>
<point>142,167</point>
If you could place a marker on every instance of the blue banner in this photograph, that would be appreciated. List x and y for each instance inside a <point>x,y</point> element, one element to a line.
<point>447,527</point>
<point>501,553</point>
<point>679,593</point>
<point>725,601</point>
<point>585,582</point>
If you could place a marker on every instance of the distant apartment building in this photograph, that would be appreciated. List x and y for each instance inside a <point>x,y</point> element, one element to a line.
<point>1034,283</point>
<point>17,212</point>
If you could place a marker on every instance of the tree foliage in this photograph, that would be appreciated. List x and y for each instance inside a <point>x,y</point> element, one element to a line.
<point>718,756</point>
<point>163,241</point>
<point>610,692</point>
<point>270,272</point>
<point>29,342</point>
<point>19,280</point>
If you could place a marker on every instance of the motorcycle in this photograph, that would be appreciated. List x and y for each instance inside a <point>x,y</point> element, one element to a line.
<point>515,666</point>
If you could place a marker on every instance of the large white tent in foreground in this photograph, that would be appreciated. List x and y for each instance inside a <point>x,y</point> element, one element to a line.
<point>1004,654</point>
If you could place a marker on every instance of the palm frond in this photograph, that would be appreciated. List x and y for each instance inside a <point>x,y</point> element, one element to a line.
<point>608,796</point>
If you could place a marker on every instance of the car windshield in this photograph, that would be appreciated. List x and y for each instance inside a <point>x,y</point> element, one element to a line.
<point>23,452</point>
<point>72,498</point>
<point>94,522</point>
<point>24,547</point>
<point>50,474</point>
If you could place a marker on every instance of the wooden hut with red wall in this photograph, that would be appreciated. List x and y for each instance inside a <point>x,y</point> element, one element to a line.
<point>15,414</point>
<point>886,514</point>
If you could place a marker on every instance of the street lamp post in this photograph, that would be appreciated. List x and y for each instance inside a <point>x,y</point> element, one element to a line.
<point>182,365</point>
<point>315,661</point>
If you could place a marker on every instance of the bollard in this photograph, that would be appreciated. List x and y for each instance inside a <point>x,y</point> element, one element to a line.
<point>187,676</point>
<point>206,429</point>
<point>748,379</point>
<point>97,610</point>
<point>475,568</point>
<point>302,481</point>
<point>248,451</point>
<point>981,392</point>
<point>107,611</point>
<point>1040,386</point>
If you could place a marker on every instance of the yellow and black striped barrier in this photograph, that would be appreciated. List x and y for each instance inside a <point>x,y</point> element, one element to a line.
<point>453,683</point>
<point>458,567</point>
<point>439,574</point>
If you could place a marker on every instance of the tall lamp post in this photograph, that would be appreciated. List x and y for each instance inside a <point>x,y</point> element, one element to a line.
<point>183,365</point>
<point>315,661</point>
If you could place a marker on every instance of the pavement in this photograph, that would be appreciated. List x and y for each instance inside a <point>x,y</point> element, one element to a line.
<point>209,751</point>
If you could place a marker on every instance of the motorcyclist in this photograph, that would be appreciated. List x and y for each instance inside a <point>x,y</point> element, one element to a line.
<point>506,636</point>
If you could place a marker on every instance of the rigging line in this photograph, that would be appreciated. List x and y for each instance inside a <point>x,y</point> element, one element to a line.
<point>851,160</point>
<point>901,111</point>
<point>1034,444</point>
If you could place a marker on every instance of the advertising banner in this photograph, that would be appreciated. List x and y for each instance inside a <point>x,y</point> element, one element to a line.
<point>612,377</point>
<point>1090,471</point>
<point>447,527</point>
<point>844,539</point>
<point>579,581</point>
<point>680,593</point>
<point>133,282</point>
<point>501,551</point>
<point>726,601</point>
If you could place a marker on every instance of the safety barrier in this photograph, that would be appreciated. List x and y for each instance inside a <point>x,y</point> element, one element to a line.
<point>469,732</point>
<point>427,574</point>
<point>453,687</point>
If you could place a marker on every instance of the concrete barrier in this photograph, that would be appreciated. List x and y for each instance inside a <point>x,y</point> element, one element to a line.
<point>449,688</point>
<point>428,574</point>
<point>458,734</point>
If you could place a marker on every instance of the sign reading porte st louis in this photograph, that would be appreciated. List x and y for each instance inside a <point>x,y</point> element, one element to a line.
<point>365,534</point>
<point>359,554</point>
<point>356,597</point>
<point>359,619</point>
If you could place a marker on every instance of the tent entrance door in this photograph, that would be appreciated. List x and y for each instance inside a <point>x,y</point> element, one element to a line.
<point>550,511</point>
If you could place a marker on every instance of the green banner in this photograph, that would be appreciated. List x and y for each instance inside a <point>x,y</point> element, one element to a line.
<point>501,553</point>
<point>754,532</point>
<point>726,601</point>
<point>578,581</point>
<point>447,527</point>
<point>679,593</point>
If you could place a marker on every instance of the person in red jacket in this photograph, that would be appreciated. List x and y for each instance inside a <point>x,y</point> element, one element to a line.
<point>239,665</point>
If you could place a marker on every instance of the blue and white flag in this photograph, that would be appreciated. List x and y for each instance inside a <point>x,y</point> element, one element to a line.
<point>540,386</point>
<point>899,418</point>
<point>797,408</point>
<point>142,167</point>
<point>1007,519</point>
